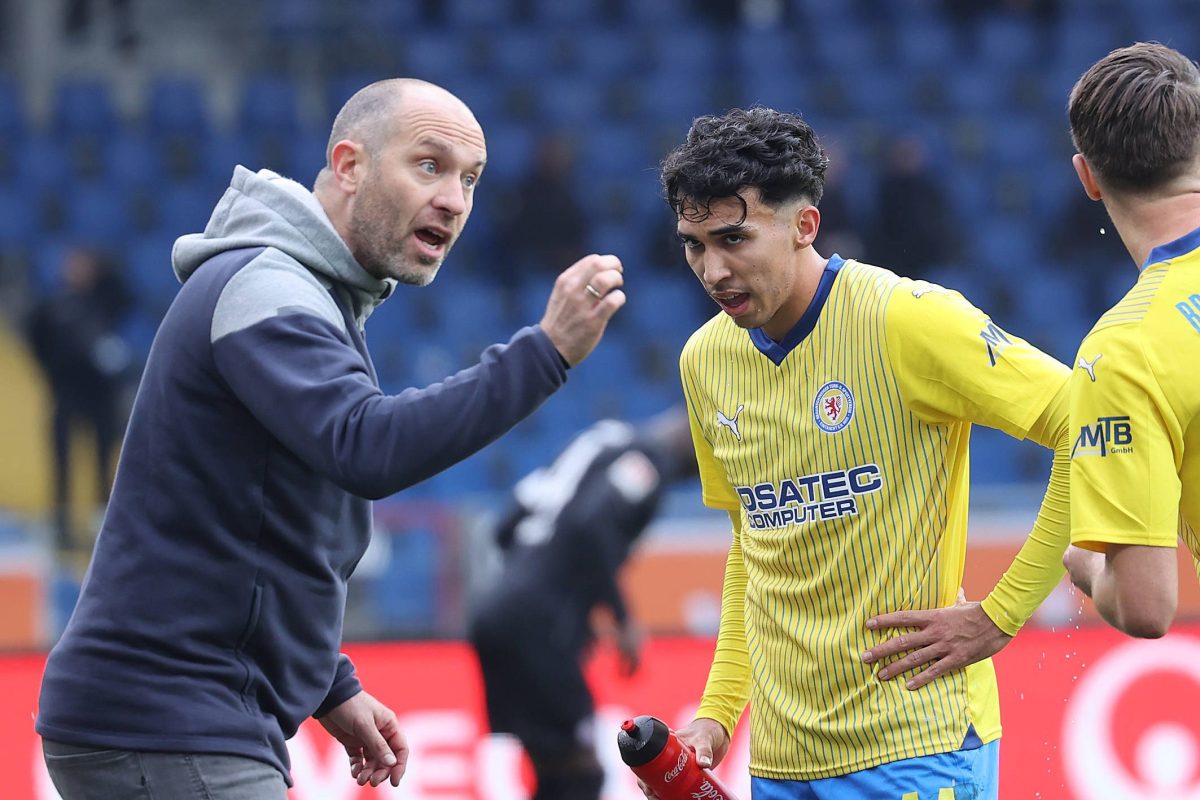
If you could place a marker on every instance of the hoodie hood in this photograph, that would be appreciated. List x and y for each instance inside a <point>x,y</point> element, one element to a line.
<point>264,209</point>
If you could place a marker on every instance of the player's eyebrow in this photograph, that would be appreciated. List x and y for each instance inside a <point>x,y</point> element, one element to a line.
<point>725,230</point>
<point>444,148</point>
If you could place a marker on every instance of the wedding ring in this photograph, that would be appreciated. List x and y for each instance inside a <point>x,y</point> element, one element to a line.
<point>593,291</point>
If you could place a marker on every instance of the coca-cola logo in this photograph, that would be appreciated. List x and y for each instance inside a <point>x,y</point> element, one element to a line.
<point>673,773</point>
<point>707,792</point>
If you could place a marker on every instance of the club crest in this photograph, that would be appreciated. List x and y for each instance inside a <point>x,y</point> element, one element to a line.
<point>833,407</point>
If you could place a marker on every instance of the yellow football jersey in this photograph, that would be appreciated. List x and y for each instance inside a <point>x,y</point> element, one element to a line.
<point>841,454</point>
<point>1135,408</point>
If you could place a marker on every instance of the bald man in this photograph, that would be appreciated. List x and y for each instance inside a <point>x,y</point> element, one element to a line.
<point>210,623</point>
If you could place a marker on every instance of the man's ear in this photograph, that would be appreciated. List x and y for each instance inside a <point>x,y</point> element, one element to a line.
<point>348,162</point>
<point>808,222</point>
<point>1091,186</point>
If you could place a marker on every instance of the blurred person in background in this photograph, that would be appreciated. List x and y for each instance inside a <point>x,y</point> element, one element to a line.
<point>1135,391</point>
<point>79,19</point>
<point>840,230</point>
<point>540,221</point>
<point>73,331</point>
<point>913,225</point>
<point>210,623</point>
<point>569,528</point>
<point>831,405</point>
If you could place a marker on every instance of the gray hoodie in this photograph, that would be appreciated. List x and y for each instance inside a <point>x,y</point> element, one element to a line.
<point>211,616</point>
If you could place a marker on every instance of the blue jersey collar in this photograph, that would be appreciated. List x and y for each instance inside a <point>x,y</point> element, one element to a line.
<point>1180,247</point>
<point>778,351</point>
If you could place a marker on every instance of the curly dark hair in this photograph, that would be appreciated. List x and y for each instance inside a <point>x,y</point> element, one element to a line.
<point>1135,116</point>
<point>761,148</point>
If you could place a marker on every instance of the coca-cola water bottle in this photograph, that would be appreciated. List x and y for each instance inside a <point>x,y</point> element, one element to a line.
<point>665,764</point>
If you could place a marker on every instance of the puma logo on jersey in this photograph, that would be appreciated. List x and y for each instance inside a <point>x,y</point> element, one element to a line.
<point>1090,366</point>
<point>731,422</point>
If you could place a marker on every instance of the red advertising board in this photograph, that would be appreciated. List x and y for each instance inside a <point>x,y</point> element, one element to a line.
<point>1088,715</point>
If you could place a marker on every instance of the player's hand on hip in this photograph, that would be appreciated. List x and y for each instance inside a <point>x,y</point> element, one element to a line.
<point>1083,566</point>
<point>371,735</point>
<point>945,639</point>
<point>585,297</point>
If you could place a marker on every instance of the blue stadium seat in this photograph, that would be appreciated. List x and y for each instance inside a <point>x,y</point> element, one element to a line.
<point>148,264</point>
<point>924,40</point>
<point>177,105</point>
<point>414,562</point>
<point>84,106</point>
<point>976,88</point>
<point>185,208</point>
<point>877,92</point>
<point>664,306</point>
<point>995,457</point>
<point>578,14</point>
<point>1167,21</point>
<point>382,16</point>
<point>221,152</point>
<point>306,155</point>
<point>521,53</point>
<point>19,222</point>
<point>691,51</point>
<point>268,104</point>
<point>1005,244</point>
<point>97,213</point>
<point>843,42</point>
<point>133,160</point>
<point>569,102</point>
<point>137,330</point>
<point>1083,38</point>
<point>625,239</point>
<point>479,13</point>
<point>1009,41</point>
<point>763,52</point>
<point>13,123</point>
<point>294,21</point>
<point>658,13</point>
<point>485,97</point>
<point>341,86</point>
<point>511,149</point>
<point>609,53</point>
<point>615,150</point>
<point>473,309</point>
<point>438,56</point>
<point>1017,139</point>
<point>664,98</point>
<point>776,88</point>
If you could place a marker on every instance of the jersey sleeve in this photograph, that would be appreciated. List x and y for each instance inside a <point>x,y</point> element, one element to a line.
<point>1038,567</point>
<point>1125,486</point>
<point>728,688</point>
<point>716,491</point>
<point>954,364</point>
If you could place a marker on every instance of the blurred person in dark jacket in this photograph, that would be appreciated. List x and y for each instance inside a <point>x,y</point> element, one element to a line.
<point>912,241</point>
<point>569,528</point>
<point>540,221</point>
<point>73,332</point>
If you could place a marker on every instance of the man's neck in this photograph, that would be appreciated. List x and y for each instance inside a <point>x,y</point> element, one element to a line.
<point>810,268</point>
<point>1147,222</point>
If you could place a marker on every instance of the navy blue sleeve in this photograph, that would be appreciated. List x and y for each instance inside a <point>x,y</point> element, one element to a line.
<point>345,685</point>
<point>310,388</point>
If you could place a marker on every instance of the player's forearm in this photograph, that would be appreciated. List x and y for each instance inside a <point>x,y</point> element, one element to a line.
<point>1038,568</point>
<point>1137,590</point>
<point>728,688</point>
